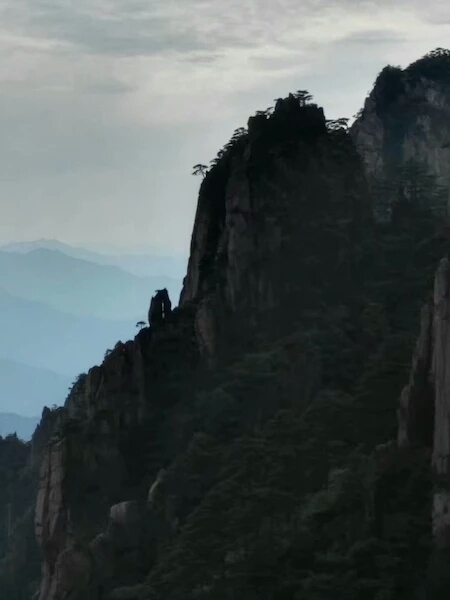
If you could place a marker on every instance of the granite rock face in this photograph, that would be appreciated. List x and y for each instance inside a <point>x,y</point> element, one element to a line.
<point>256,225</point>
<point>424,412</point>
<point>406,117</point>
<point>288,196</point>
<point>254,219</point>
<point>90,522</point>
<point>422,109</point>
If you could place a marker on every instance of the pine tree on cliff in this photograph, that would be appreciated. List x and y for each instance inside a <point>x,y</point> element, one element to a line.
<point>200,170</point>
<point>303,97</point>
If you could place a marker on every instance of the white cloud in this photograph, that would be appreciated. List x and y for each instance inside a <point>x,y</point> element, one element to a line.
<point>106,104</point>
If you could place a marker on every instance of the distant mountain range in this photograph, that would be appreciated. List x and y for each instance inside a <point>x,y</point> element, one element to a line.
<point>25,389</point>
<point>79,287</point>
<point>62,307</point>
<point>140,262</point>
<point>23,426</point>
<point>37,334</point>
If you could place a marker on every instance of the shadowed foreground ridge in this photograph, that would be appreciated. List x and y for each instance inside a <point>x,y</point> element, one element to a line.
<point>257,443</point>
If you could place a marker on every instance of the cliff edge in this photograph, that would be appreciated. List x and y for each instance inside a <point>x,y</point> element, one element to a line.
<point>122,421</point>
<point>231,447</point>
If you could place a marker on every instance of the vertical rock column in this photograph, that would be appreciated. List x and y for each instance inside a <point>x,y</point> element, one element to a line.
<point>51,515</point>
<point>424,413</point>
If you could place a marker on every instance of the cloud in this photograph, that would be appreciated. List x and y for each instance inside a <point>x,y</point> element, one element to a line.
<point>145,28</point>
<point>195,47</point>
<point>105,105</point>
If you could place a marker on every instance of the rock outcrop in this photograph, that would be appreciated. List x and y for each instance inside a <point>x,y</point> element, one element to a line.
<point>407,117</point>
<point>120,424</point>
<point>253,221</point>
<point>20,463</point>
<point>286,197</point>
<point>424,412</point>
<point>95,462</point>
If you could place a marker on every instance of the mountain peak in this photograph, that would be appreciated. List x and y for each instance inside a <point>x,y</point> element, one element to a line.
<point>406,114</point>
<point>262,404</point>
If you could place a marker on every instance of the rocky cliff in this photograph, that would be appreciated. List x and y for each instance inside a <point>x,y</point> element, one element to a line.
<point>19,555</point>
<point>424,412</point>
<point>231,448</point>
<point>406,117</point>
<point>100,455</point>
<point>121,422</point>
<point>254,220</point>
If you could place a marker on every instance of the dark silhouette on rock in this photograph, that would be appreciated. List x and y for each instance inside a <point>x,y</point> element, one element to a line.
<point>160,308</point>
<point>167,304</point>
<point>155,311</point>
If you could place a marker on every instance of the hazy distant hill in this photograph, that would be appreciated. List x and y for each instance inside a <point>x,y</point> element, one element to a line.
<point>61,308</point>
<point>25,389</point>
<point>143,263</point>
<point>23,426</point>
<point>38,335</point>
<point>79,286</point>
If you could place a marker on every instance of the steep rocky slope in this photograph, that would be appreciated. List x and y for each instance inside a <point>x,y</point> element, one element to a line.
<point>424,403</point>
<point>99,453</point>
<point>254,219</point>
<point>243,448</point>
<point>19,555</point>
<point>407,117</point>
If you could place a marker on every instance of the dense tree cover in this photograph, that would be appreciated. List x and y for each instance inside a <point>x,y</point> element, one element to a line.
<point>392,79</point>
<point>296,506</point>
<point>434,65</point>
<point>392,82</point>
<point>19,557</point>
<point>265,123</point>
<point>281,492</point>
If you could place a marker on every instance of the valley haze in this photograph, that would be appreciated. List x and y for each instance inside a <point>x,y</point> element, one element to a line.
<point>280,431</point>
<point>61,308</point>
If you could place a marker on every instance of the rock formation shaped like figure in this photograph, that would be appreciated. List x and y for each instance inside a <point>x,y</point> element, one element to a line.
<point>167,304</point>
<point>155,311</point>
<point>160,308</point>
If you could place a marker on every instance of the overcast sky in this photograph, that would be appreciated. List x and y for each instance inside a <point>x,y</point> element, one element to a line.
<point>105,105</point>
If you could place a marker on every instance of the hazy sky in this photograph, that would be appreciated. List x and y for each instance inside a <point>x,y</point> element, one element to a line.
<point>105,105</point>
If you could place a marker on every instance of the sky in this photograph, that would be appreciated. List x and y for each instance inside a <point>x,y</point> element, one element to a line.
<point>105,105</point>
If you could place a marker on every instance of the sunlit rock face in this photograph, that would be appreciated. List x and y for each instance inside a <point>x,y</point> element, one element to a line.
<point>407,116</point>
